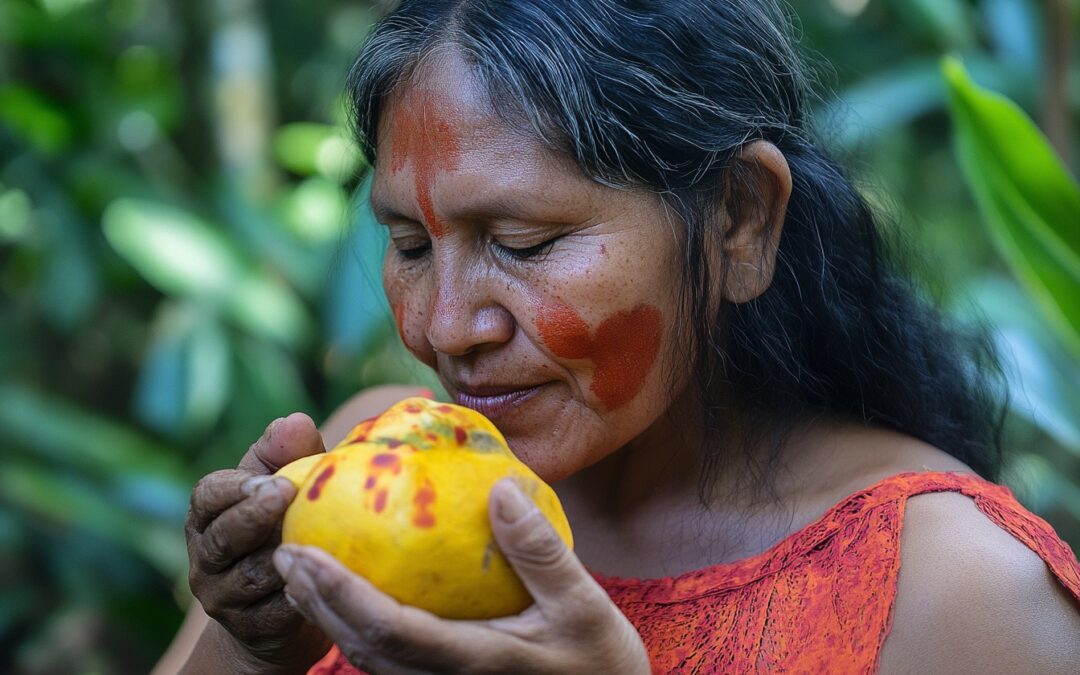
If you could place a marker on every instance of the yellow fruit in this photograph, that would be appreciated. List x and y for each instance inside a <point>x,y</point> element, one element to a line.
<point>403,501</point>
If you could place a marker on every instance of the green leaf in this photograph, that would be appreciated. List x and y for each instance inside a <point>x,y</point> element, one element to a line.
<point>1025,194</point>
<point>183,256</point>
<point>307,148</point>
<point>60,432</point>
<point>185,380</point>
<point>40,122</point>
<point>74,503</point>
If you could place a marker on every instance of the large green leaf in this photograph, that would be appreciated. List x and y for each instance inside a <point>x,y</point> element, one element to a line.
<point>1025,194</point>
<point>59,431</point>
<point>183,256</point>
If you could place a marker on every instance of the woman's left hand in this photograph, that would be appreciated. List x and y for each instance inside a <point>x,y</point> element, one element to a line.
<point>573,627</point>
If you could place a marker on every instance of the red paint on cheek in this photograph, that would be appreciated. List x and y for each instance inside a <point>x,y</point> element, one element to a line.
<point>424,498</point>
<point>624,347</point>
<point>424,128</point>
<point>399,318</point>
<point>316,488</point>
<point>564,331</point>
<point>624,350</point>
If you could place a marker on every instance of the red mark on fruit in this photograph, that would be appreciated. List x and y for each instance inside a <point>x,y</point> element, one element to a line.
<point>623,348</point>
<point>380,501</point>
<point>424,135</point>
<point>393,443</point>
<point>369,483</point>
<point>444,409</point>
<point>413,409</point>
<point>359,432</point>
<point>387,461</point>
<point>460,435</point>
<point>424,498</point>
<point>316,488</point>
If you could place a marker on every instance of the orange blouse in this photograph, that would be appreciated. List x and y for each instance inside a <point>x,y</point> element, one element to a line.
<point>820,600</point>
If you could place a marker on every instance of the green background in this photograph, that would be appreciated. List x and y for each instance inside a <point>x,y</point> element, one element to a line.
<point>183,257</point>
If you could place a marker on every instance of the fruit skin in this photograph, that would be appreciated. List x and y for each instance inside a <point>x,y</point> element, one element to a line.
<point>403,501</point>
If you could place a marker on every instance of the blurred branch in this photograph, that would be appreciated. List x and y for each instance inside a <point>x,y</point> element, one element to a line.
<point>243,99</point>
<point>1056,103</point>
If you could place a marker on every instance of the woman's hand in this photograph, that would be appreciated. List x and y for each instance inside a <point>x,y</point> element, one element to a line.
<point>233,527</point>
<point>573,627</point>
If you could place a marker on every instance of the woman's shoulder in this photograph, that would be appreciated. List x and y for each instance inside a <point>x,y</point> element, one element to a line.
<point>982,588</point>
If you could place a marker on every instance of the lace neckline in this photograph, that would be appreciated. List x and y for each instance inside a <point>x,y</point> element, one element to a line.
<point>733,574</point>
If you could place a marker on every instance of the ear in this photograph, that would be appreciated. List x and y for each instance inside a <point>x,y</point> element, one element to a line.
<point>756,207</point>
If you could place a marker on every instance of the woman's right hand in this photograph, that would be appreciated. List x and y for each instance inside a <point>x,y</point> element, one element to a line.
<point>232,530</point>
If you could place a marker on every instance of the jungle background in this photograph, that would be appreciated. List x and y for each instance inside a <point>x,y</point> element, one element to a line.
<point>184,255</point>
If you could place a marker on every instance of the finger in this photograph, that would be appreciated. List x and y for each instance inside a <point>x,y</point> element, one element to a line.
<point>547,567</point>
<point>374,630</point>
<point>245,527</point>
<point>286,439</point>
<point>216,492</point>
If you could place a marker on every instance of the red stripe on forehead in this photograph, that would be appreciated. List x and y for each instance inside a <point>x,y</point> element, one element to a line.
<point>424,133</point>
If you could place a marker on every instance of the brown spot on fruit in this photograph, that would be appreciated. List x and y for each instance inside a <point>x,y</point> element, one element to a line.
<point>320,481</point>
<point>424,498</point>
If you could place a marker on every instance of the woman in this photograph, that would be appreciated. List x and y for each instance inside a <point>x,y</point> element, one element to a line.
<point>612,234</point>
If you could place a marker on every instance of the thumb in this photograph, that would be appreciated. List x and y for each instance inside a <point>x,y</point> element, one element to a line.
<point>546,566</point>
<point>286,439</point>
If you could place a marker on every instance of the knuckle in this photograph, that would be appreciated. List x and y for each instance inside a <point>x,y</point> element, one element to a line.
<point>380,636</point>
<point>255,577</point>
<point>540,545</point>
<point>216,549</point>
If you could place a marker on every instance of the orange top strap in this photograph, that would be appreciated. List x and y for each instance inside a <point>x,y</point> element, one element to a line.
<point>820,600</point>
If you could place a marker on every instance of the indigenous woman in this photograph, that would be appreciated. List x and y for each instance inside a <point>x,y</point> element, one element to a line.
<point>611,232</point>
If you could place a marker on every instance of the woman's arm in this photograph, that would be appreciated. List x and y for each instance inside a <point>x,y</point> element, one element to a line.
<point>198,629</point>
<point>971,598</point>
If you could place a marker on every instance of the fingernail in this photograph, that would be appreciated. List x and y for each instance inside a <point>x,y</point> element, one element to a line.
<point>283,561</point>
<point>513,504</point>
<point>249,486</point>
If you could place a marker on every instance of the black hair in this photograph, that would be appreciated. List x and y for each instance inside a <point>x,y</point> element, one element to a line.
<point>662,95</point>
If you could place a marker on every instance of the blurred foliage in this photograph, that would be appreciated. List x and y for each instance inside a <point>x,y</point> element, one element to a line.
<point>184,255</point>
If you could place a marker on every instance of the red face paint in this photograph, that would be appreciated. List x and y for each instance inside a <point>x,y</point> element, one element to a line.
<point>316,488</point>
<point>399,318</point>
<point>424,498</point>
<point>624,347</point>
<point>424,134</point>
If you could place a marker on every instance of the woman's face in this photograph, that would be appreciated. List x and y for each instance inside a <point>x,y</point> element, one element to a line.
<point>542,299</point>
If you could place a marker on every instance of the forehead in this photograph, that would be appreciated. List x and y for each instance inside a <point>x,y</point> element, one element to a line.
<point>441,119</point>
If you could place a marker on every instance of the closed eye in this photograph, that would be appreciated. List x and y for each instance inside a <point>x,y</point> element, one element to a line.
<point>415,252</point>
<point>528,251</point>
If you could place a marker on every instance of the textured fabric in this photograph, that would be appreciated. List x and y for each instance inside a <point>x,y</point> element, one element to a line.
<point>818,601</point>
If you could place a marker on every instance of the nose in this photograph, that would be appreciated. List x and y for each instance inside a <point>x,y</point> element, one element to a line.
<point>464,316</point>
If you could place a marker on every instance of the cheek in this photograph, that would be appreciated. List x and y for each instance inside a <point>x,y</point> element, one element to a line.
<point>624,348</point>
<point>407,304</point>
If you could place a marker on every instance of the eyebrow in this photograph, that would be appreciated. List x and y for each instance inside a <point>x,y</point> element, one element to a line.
<point>506,204</point>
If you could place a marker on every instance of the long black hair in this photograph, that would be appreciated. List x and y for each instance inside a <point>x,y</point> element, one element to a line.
<point>662,95</point>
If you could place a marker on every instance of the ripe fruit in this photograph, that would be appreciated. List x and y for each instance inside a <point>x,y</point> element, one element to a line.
<point>403,501</point>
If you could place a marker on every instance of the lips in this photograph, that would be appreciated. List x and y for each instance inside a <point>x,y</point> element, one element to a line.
<point>493,401</point>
